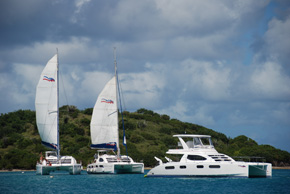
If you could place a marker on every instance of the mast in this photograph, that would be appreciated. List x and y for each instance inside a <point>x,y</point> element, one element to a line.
<point>118,94</point>
<point>118,141</point>
<point>57,99</point>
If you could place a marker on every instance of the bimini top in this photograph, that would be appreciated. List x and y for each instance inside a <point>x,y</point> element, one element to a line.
<point>193,143</point>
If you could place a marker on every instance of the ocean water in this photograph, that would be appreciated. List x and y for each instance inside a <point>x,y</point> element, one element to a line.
<point>28,182</point>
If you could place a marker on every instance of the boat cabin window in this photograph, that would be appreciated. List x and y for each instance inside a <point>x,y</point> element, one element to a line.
<point>214,166</point>
<point>101,160</point>
<point>66,161</point>
<point>197,141</point>
<point>182,167</point>
<point>199,166</point>
<point>206,141</point>
<point>195,157</point>
<point>50,154</point>
<point>101,166</point>
<point>169,167</point>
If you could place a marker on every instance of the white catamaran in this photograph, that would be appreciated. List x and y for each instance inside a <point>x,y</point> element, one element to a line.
<point>47,119</point>
<point>105,134</point>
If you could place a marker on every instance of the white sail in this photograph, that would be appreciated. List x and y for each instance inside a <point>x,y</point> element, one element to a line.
<point>46,104</point>
<point>104,122</point>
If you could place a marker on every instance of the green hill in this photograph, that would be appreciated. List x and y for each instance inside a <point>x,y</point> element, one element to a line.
<point>148,134</point>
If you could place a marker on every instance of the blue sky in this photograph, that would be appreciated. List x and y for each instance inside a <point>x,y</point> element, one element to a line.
<point>221,64</point>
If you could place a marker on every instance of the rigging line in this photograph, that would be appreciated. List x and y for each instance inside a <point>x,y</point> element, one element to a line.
<point>122,93</point>
<point>124,134</point>
<point>64,90</point>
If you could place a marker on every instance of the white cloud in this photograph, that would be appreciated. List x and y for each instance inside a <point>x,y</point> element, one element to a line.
<point>143,89</point>
<point>277,38</point>
<point>269,82</point>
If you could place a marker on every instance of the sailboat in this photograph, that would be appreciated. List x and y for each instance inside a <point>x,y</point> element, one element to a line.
<point>105,134</point>
<point>47,119</point>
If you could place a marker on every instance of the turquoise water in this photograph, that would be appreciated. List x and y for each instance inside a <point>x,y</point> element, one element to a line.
<point>28,182</point>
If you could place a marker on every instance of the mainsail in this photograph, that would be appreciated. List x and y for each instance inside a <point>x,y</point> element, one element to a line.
<point>104,123</point>
<point>46,104</point>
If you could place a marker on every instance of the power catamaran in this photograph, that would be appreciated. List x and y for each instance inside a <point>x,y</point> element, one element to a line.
<point>200,159</point>
<point>105,134</point>
<point>47,119</point>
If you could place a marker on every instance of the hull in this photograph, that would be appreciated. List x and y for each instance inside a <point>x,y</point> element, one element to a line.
<point>98,168</point>
<point>214,169</point>
<point>257,170</point>
<point>73,169</point>
<point>118,168</point>
<point>129,168</point>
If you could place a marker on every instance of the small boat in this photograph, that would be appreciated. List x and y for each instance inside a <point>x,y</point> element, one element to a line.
<point>199,158</point>
<point>104,129</point>
<point>47,119</point>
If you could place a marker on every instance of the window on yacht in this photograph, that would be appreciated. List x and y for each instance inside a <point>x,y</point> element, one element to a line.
<point>206,141</point>
<point>101,166</point>
<point>101,160</point>
<point>199,166</point>
<point>66,161</point>
<point>214,166</point>
<point>182,167</point>
<point>195,157</point>
<point>196,141</point>
<point>169,167</point>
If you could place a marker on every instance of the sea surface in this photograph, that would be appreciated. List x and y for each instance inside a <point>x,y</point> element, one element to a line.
<point>61,182</point>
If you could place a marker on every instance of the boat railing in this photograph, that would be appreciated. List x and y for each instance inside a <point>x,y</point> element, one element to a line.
<point>203,146</point>
<point>250,158</point>
<point>65,161</point>
<point>52,161</point>
<point>111,160</point>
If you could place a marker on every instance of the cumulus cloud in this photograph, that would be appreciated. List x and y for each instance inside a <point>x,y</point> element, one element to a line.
<point>182,58</point>
<point>269,82</point>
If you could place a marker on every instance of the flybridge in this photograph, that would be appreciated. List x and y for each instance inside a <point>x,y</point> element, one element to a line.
<point>195,141</point>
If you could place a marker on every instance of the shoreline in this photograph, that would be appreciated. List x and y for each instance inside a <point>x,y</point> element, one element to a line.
<point>145,168</point>
<point>282,168</point>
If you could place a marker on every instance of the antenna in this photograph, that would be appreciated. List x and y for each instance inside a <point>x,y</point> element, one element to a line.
<point>115,61</point>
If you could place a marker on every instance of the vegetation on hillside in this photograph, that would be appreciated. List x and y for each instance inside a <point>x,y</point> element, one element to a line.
<point>148,134</point>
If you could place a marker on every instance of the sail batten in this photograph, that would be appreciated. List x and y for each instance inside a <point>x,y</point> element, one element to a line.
<point>46,104</point>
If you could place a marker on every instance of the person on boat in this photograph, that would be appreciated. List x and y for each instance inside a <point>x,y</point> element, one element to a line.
<point>41,157</point>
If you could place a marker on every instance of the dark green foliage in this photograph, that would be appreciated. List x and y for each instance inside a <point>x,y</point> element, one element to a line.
<point>148,134</point>
<point>135,138</point>
<point>165,130</point>
<point>88,111</point>
<point>169,141</point>
<point>85,122</point>
<point>127,124</point>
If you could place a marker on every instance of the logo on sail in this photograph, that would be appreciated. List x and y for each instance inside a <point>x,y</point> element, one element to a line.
<point>108,101</point>
<point>50,79</point>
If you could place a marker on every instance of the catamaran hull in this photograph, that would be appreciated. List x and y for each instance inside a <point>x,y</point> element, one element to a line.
<point>235,169</point>
<point>137,168</point>
<point>45,170</point>
<point>101,169</point>
<point>120,168</point>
